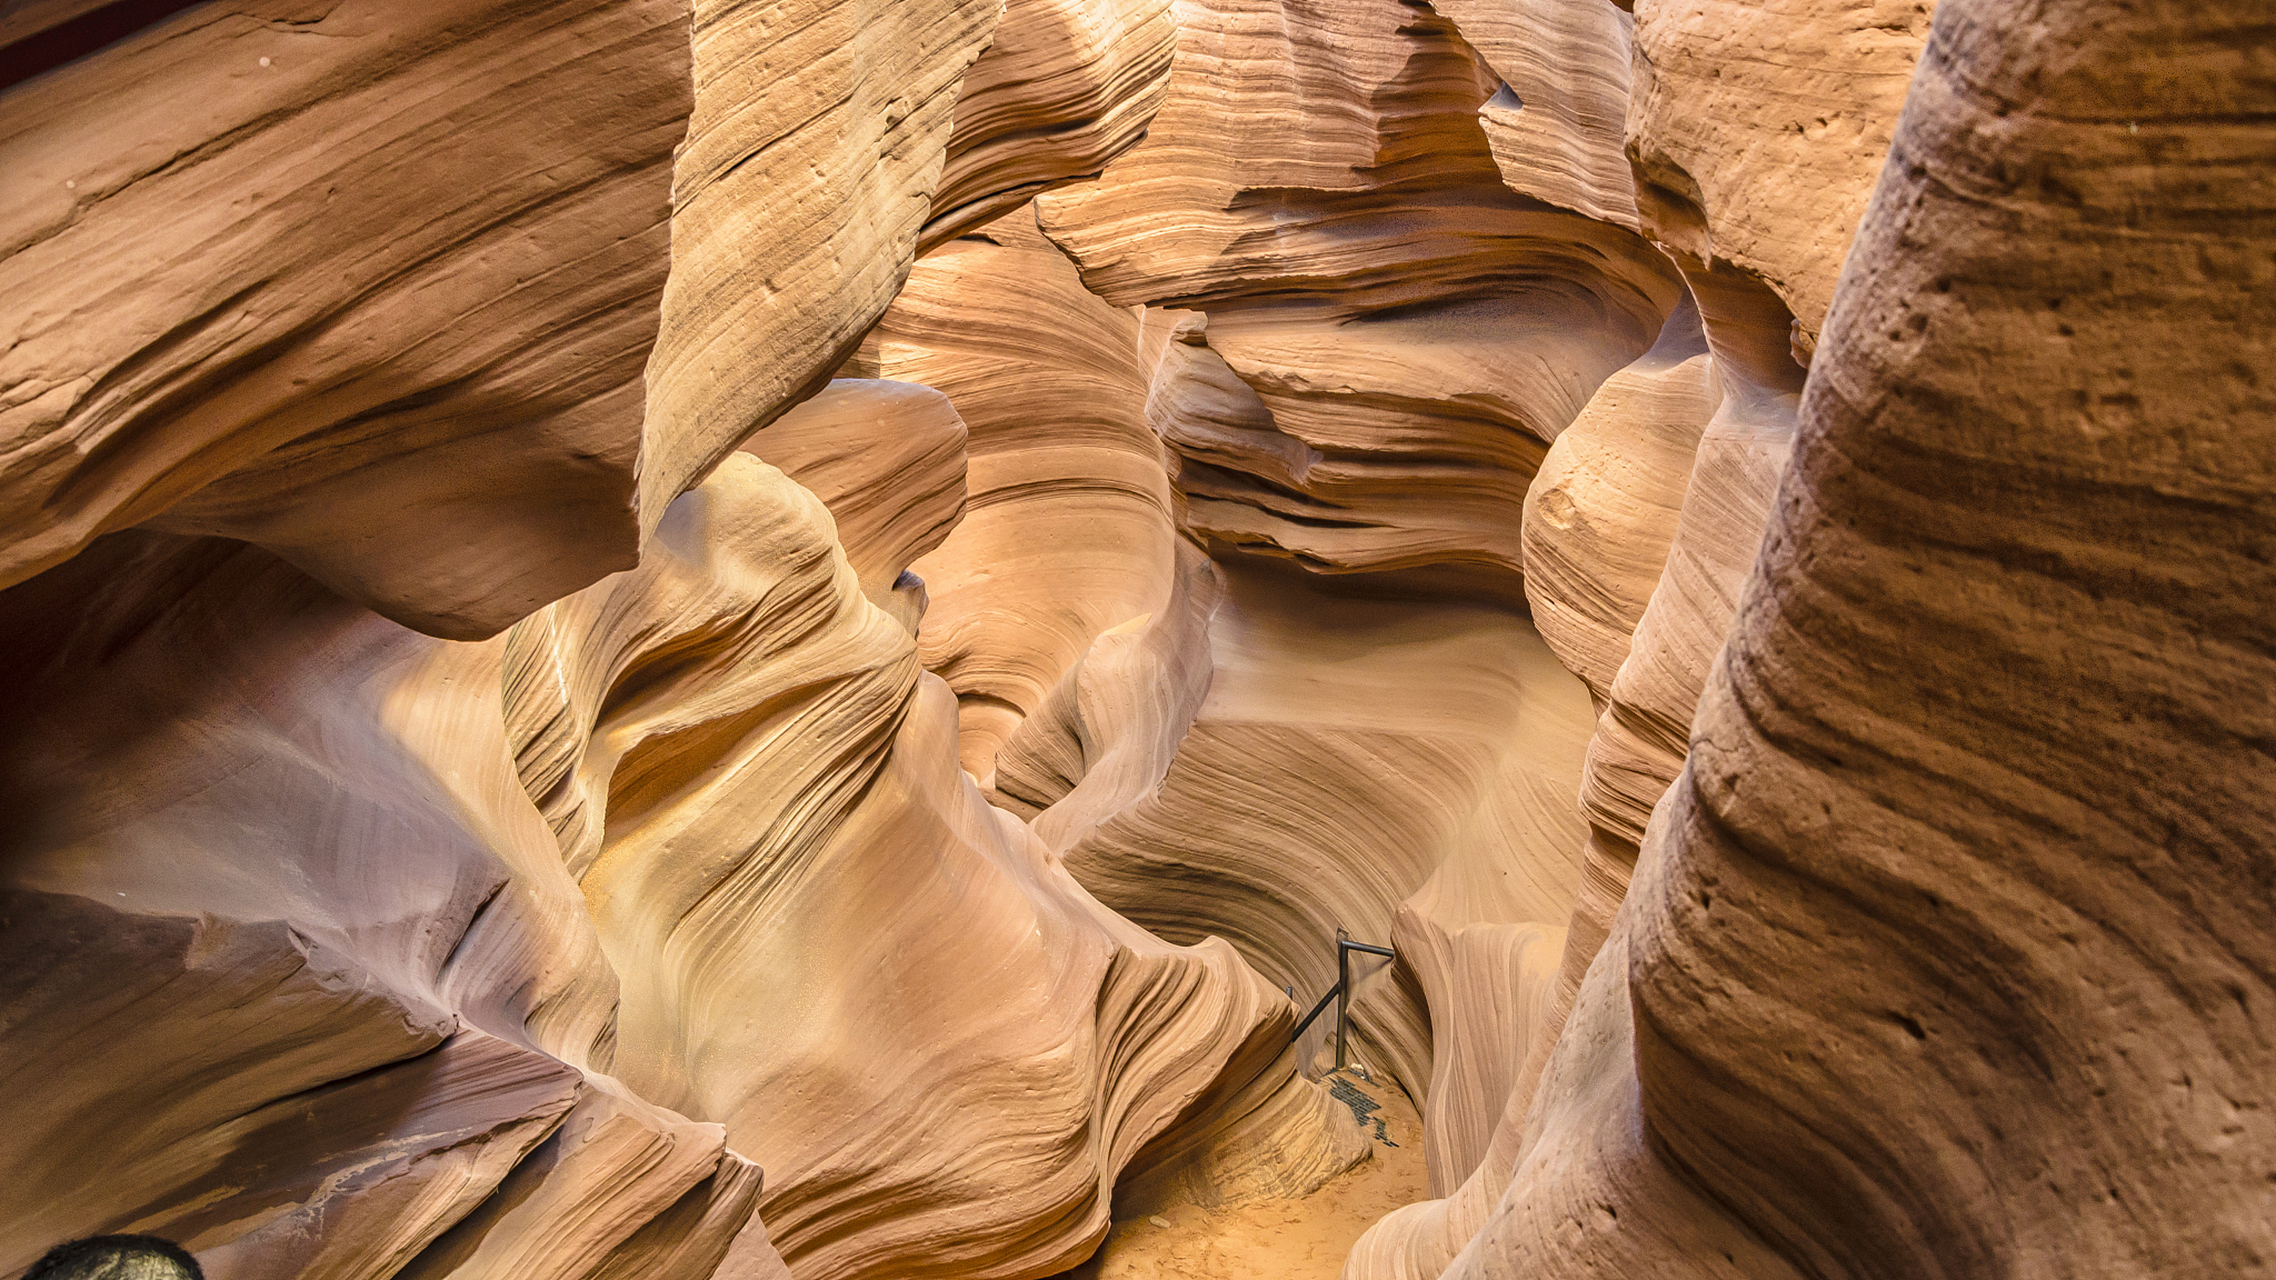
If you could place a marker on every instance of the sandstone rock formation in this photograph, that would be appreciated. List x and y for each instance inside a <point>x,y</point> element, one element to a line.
<point>1066,86</point>
<point>376,1008</point>
<point>772,639</point>
<point>1069,528</point>
<point>252,293</point>
<point>1393,336</point>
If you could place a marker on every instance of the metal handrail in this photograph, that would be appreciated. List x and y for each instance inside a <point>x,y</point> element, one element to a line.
<point>1340,992</point>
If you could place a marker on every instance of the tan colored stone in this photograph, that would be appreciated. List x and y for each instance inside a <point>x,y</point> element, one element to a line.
<point>1069,530</point>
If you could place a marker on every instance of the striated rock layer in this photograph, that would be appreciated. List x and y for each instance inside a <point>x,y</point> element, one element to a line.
<point>1069,530</point>
<point>530,1001</point>
<point>386,295</point>
<point>1393,335</point>
<point>516,768</point>
<point>1933,852</point>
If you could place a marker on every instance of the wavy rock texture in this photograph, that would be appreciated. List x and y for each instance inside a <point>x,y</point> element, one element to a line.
<point>1641,738</point>
<point>1635,601</point>
<point>1388,426</point>
<point>2106,507</point>
<point>889,461</point>
<point>1737,106</point>
<point>730,663</point>
<point>282,838</point>
<point>368,275</point>
<point>1069,530</point>
<point>819,132</point>
<point>1394,336</point>
<point>1602,510</point>
<point>1556,125</point>
<point>1847,859</point>
<point>1883,752</point>
<point>794,976</point>
<point>1065,87</point>
<point>287,273</point>
<point>1273,761</point>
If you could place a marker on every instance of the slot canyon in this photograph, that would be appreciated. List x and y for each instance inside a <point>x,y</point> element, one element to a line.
<point>783,639</point>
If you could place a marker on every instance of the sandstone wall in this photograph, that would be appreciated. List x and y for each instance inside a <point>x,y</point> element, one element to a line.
<point>771,638</point>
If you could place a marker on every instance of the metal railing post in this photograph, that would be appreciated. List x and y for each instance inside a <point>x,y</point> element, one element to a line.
<point>1343,993</point>
<point>1340,993</point>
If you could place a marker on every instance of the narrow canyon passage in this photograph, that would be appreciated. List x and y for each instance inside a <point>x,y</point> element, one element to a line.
<point>784,639</point>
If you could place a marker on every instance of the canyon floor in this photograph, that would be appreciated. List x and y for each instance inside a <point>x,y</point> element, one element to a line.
<point>1305,1238</point>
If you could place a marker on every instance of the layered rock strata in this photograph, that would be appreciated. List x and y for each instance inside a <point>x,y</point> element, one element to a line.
<point>1894,730</point>
<point>500,746</point>
<point>367,274</point>
<point>362,304</point>
<point>1066,86</point>
<point>1393,336</point>
<point>791,978</point>
<point>533,995</point>
<point>1069,531</point>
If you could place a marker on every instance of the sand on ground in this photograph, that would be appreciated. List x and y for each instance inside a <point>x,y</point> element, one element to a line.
<point>1300,1239</point>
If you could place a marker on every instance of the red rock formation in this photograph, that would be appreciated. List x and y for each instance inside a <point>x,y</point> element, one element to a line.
<point>253,291</point>
<point>1069,530</point>
<point>499,746</point>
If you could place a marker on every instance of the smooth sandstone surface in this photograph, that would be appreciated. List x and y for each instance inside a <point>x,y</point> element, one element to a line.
<point>1066,86</point>
<point>1737,106</point>
<point>271,795</point>
<point>1824,844</point>
<point>286,273</point>
<point>354,813</point>
<point>2106,501</point>
<point>769,639</point>
<point>1069,527</point>
<point>793,974</point>
<point>1389,421</point>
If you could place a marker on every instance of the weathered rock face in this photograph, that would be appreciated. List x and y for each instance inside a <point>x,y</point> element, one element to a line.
<point>519,766</point>
<point>1066,86</point>
<point>651,947</point>
<point>1851,899</point>
<point>252,292</point>
<point>383,303</point>
<point>1069,530</point>
<point>274,838</point>
<point>367,276</point>
<point>2020,827</point>
<point>789,977</point>
<point>1393,335</point>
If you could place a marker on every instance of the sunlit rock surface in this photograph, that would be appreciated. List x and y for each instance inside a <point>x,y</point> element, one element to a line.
<point>1068,530</point>
<point>757,787</point>
<point>771,639</point>
<point>1066,86</point>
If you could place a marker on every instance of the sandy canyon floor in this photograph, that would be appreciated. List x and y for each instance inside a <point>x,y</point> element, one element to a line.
<point>1305,1238</point>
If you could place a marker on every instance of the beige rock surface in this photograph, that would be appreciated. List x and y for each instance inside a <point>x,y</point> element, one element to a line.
<point>738,642</point>
<point>1602,511</point>
<point>513,771</point>
<point>1066,86</point>
<point>359,992</point>
<point>889,460</point>
<point>795,979</point>
<point>1836,824</point>
<point>1069,528</point>
<point>1737,107</point>
<point>1287,1238</point>
<point>289,272</point>
<point>818,135</point>
<point>1557,123</point>
<point>1386,420</point>
<point>1274,815</point>
<point>2056,554</point>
